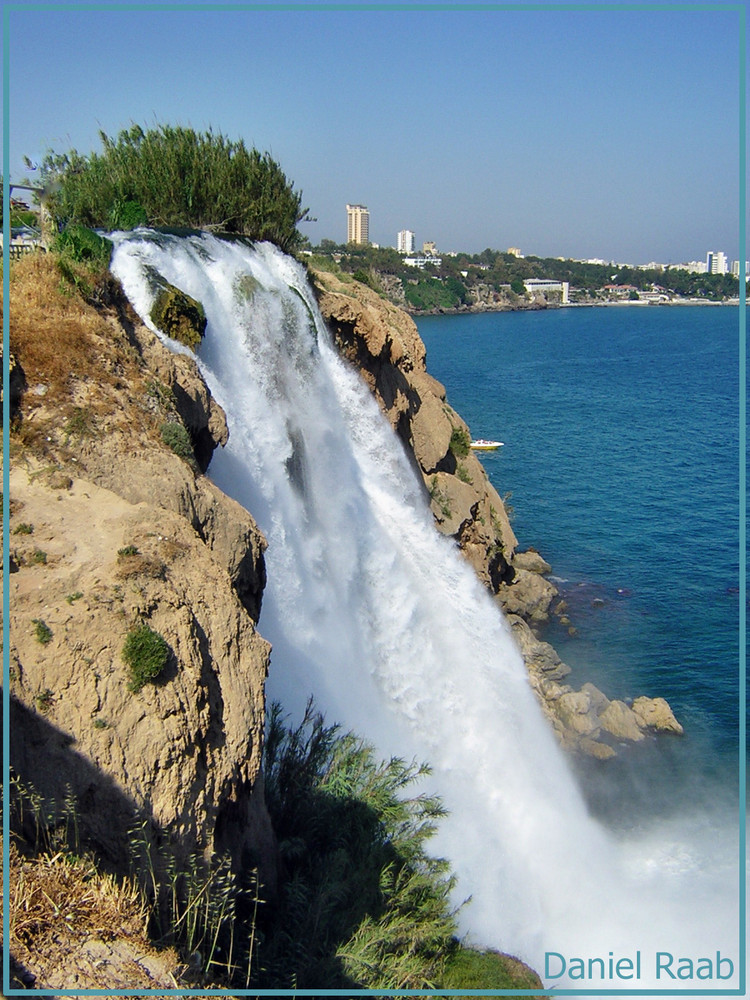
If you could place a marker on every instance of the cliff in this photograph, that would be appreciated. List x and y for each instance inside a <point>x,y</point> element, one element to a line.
<point>111,529</point>
<point>383,342</point>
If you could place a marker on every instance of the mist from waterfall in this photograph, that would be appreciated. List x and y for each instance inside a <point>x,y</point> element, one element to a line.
<point>374,613</point>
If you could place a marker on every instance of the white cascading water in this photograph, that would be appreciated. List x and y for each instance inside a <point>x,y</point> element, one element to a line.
<point>378,617</point>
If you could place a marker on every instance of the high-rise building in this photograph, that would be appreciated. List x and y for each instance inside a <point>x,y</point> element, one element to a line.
<point>736,268</point>
<point>405,241</point>
<point>716,262</point>
<point>357,224</point>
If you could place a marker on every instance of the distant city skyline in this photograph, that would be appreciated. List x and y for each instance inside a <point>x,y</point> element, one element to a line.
<point>607,131</point>
<point>716,261</point>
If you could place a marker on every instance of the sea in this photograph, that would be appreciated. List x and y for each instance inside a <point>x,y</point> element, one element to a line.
<point>620,464</point>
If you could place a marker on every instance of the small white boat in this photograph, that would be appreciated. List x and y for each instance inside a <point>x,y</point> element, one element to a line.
<point>482,445</point>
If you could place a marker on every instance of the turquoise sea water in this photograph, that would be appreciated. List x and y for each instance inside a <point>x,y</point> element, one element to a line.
<point>621,432</point>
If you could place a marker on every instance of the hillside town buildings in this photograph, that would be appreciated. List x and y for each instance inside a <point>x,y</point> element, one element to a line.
<point>536,285</point>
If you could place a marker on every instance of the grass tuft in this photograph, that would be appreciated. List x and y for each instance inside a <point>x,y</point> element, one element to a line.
<point>145,653</point>
<point>42,631</point>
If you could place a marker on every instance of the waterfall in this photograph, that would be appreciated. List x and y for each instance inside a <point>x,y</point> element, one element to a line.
<point>379,617</point>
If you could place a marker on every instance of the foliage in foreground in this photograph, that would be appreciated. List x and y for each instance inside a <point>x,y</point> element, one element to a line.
<point>59,897</point>
<point>362,902</point>
<point>172,176</point>
<point>360,905</point>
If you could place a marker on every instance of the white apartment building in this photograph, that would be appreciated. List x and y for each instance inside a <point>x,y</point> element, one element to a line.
<point>405,241</point>
<point>716,262</point>
<point>357,224</point>
<point>694,266</point>
<point>533,285</point>
<point>422,262</point>
<point>736,268</point>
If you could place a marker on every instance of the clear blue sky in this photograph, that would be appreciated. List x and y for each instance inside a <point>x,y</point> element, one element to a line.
<point>596,133</point>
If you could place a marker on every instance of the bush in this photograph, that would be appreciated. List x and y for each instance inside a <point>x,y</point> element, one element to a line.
<point>487,970</point>
<point>367,278</point>
<point>42,631</point>
<point>127,215</point>
<point>84,246</point>
<point>460,443</point>
<point>176,437</point>
<point>430,293</point>
<point>145,653</point>
<point>175,177</point>
<point>363,902</point>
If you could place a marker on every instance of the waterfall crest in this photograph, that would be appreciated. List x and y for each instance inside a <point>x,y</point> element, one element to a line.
<point>378,616</point>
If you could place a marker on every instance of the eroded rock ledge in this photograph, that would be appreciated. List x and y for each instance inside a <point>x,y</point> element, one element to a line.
<point>110,527</point>
<point>383,343</point>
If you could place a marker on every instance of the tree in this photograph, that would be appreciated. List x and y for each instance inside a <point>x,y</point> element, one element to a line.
<point>176,177</point>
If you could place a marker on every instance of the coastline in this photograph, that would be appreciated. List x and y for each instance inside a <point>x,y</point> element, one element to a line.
<point>542,307</point>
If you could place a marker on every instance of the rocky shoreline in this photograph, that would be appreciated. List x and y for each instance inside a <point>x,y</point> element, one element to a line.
<point>539,305</point>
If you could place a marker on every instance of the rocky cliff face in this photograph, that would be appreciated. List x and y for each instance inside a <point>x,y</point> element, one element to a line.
<point>383,342</point>
<point>111,528</point>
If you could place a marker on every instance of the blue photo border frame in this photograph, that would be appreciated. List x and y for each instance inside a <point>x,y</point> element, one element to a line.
<point>740,9</point>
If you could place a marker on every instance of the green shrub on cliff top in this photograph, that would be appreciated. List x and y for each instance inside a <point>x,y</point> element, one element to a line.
<point>84,246</point>
<point>175,177</point>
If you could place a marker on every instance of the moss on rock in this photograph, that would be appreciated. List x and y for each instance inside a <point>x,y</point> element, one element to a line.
<point>179,316</point>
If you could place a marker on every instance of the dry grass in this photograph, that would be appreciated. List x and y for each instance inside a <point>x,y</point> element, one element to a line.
<point>71,926</point>
<point>83,377</point>
<point>54,334</point>
<point>139,565</point>
<point>54,894</point>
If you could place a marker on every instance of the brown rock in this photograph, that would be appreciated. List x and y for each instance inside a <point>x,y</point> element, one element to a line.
<point>528,594</point>
<point>177,386</point>
<point>621,722</point>
<point>655,713</point>
<point>540,657</point>
<point>594,748</point>
<point>180,750</point>
<point>575,711</point>
<point>183,754</point>
<point>531,561</point>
